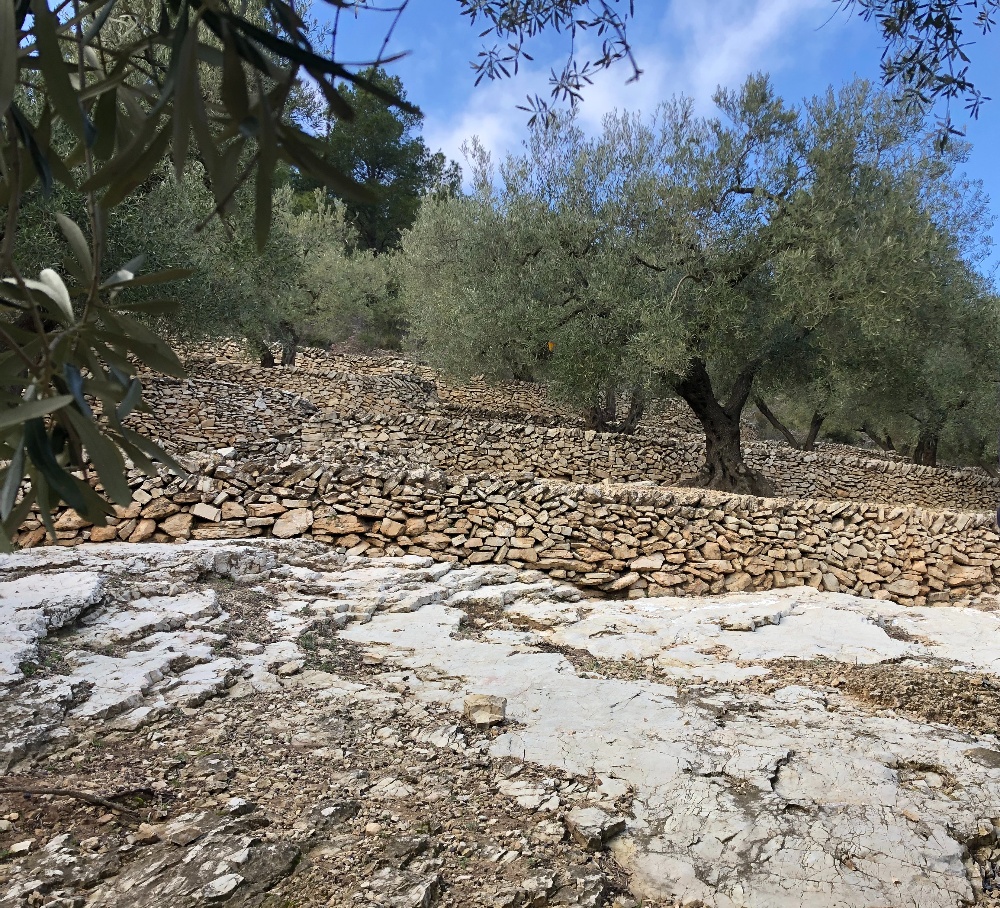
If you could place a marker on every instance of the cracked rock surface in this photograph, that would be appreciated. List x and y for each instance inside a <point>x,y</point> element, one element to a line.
<point>278,724</point>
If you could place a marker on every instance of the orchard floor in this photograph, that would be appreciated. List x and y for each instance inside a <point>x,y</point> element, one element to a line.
<point>276,724</point>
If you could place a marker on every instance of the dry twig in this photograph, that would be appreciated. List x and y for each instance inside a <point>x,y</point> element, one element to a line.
<point>88,798</point>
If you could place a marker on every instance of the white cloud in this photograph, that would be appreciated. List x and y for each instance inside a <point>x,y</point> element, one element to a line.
<point>491,114</point>
<point>725,41</point>
<point>694,47</point>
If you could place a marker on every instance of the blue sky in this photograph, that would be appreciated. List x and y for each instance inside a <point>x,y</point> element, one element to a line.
<point>684,47</point>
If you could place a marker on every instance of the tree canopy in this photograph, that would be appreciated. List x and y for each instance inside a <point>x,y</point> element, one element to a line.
<point>697,256</point>
<point>381,149</point>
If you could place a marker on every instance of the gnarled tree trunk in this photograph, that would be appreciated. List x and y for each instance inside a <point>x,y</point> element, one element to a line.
<point>266,357</point>
<point>636,409</point>
<point>925,452</point>
<point>290,344</point>
<point>602,415</point>
<point>814,426</point>
<point>725,469</point>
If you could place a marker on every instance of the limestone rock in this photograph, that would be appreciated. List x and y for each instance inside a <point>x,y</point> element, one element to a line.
<point>159,508</point>
<point>592,827</point>
<point>584,886</point>
<point>293,523</point>
<point>233,510</point>
<point>391,528</point>
<point>549,831</point>
<point>178,526</point>
<point>967,575</point>
<point>103,534</point>
<point>402,850</point>
<point>70,520</point>
<point>340,525</point>
<point>291,668</point>
<point>222,887</point>
<point>484,710</point>
<point>710,765</point>
<point>908,588</point>
<point>227,870</point>
<point>647,563</point>
<point>331,815</point>
<point>146,834</point>
<point>206,512</point>
<point>143,530</point>
<point>404,889</point>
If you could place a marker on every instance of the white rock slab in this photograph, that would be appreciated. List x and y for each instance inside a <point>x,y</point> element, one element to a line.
<point>145,616</point>
<point>120,683</point>
<point>689,637</point>
<point>751,801</point>
<point>30,606</point>
<point>770,806</point>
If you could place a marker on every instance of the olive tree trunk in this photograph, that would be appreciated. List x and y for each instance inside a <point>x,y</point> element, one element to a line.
<point>925,451</point>
<point>289,343</point>
<point>814,426</point>
<point>602,415</point>
<point>809,444</point>
<point>725,469</point>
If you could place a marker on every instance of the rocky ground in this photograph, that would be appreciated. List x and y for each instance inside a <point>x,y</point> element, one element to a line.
<point>275,724</point>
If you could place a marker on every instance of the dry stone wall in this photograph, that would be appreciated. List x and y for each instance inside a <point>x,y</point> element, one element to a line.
<point>204,414</point>
<point>388,383</point>
<point>198,414</point>
<point>417,480</point>
<point>632,541</point>
<point>334,387</point>
<point>469,446</point>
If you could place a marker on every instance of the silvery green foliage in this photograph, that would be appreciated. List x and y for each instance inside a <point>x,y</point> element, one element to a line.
<point>774,243</point>
<point>927,47</point>
<point>342,291</point>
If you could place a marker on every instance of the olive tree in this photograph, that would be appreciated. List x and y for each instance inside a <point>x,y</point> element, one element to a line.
<point>699,256</point>
<point>93,97</point>
<point>528,277</point>
<point>342,291</point>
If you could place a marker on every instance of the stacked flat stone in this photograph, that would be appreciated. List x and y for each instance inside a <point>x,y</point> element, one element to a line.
<point>629,540</point>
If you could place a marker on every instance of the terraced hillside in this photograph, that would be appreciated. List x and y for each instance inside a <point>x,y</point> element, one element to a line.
<point>407,642</point>
<point>380,456</point>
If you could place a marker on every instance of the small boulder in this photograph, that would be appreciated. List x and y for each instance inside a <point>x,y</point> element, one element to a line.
<point>484,710</point>
<point>648,562</point>
<point>206,512</point>
<point>178,526</point>
<point>293,523</point>
<point>906,588</point>
<point>147,834</point>
<point>592,827</point>
<point>391,528</point>
<point>403,889</point>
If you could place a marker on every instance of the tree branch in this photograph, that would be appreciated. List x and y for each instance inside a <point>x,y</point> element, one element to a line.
<point>741,389</point>
<point>777,423</point>
<point>814,426</point>
<point>84,796</point>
